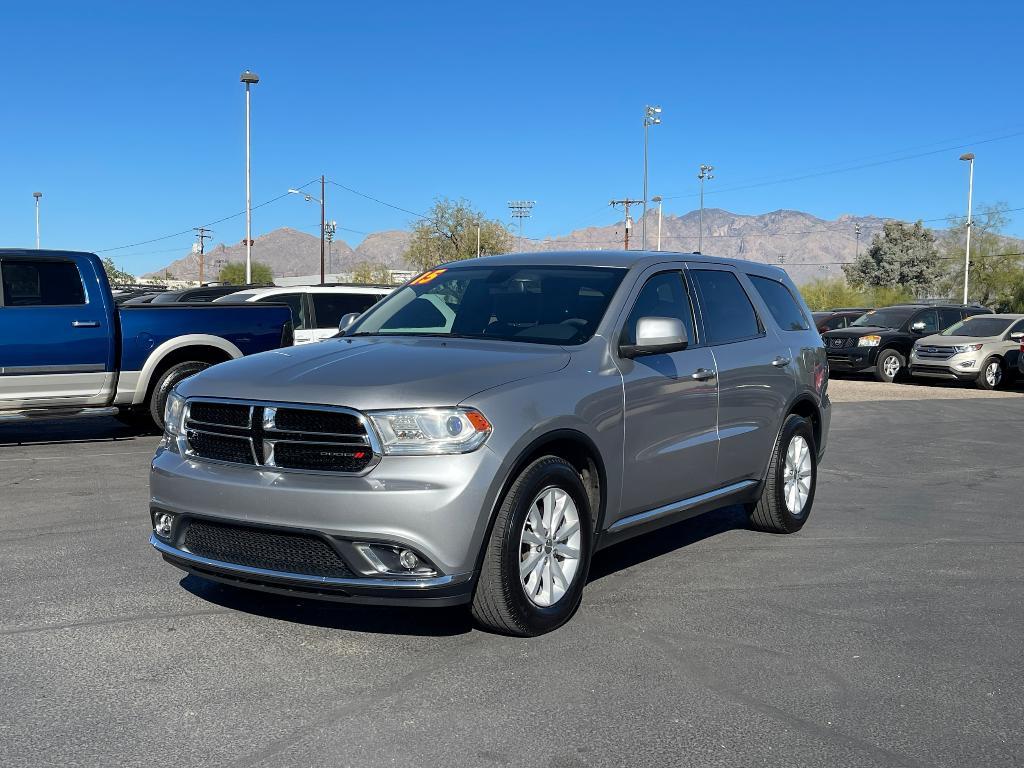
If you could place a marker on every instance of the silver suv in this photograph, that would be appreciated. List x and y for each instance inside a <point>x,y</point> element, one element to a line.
<point>983,349</point>
<point>478,435</point>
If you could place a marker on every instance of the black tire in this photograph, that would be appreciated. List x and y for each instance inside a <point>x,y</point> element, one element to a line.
<point>500,603</point>
<point>770,512</point>
<point>999,374</point>
<point>881,365</point>
<point>167,381</point>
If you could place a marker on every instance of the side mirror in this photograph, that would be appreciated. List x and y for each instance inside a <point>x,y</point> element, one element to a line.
<point>346,321</point>
<point>656,336</point>
<point>1017,336</point>
<point>918,327</point>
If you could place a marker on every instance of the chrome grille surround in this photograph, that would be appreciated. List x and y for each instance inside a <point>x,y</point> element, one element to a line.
<point>262,436</point>
<point>932,352</point>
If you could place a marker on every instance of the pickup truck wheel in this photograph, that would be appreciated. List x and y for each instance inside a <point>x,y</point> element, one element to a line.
<point>788,492</point>
<point>167,381</point>
<point>890,365</point>
<point>991,376</point>
<point>536,560</point>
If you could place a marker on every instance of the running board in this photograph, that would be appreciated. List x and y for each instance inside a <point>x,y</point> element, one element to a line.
<point>679,506</point>
<point>36,414</point>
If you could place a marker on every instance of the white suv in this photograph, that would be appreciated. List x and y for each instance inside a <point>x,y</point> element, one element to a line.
<point>316,309</point>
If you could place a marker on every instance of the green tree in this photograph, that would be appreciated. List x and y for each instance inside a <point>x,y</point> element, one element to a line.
<point>901,256</point>
<point>233,273</point>
<point>375,274</point>
<point>449,234</point>
<point>997,267</point>
<point>832,292</point>
<point>114,275</point>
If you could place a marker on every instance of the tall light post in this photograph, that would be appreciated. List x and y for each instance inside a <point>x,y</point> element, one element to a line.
<point>705,173</point>
<point>657,199</point>
<point>323,220</point>
<point>250,79</point>
<point>650,118</point>
<point>37,195</point>
<point>969,157</point>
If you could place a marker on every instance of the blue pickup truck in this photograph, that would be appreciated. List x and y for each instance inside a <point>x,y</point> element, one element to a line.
<point>67,349</point>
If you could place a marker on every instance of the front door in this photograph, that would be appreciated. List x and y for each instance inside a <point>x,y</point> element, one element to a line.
<point>671,401</point>
<point>55,346</point>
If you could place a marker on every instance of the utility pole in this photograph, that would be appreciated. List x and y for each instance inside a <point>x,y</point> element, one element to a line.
<point>478,239</point>
<point>201,235</point>
<point>650,118</point>
<point>332,227</point>
<point>37,195</point>
<point>629,222</point>
<point>969,157</point>
<point>705,173</point>
<point>856,231</point>
<point>521,209</point>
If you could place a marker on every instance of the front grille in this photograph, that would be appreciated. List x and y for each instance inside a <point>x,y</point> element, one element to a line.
<point>839,343</point>
<point>270,550</point>
<point>935,353</point>
<point>315,439</point>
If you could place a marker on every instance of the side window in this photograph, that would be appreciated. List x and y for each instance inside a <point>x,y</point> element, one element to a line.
<point>42,283</point>
<point>294,302</point>
<point>328,308</point>
<point>663,295</point>
<point>1017,327</point>
<point>726,309</point>
<point>839,321</point>
<point>781,304</point>
<point>930,319</point>
<point>948,317</point>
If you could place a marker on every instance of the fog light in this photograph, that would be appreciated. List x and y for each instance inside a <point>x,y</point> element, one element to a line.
<point>162,525</point>
<point>408,559</point>
<point>968,363</point>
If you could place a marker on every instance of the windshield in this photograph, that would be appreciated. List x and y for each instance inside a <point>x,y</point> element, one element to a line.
<point>979,327</point>
<point>544,305</point>
<point>891,317</point>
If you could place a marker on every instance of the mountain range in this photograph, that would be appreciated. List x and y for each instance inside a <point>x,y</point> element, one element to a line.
<point>806,246</point>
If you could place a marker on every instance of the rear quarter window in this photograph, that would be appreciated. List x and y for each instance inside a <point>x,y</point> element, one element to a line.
<point>782,304</point>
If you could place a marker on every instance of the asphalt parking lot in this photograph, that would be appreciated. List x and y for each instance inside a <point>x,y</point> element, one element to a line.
<point>890,631</point>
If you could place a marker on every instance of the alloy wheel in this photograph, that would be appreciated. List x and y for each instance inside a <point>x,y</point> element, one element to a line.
<point>993,374</point>
<point>549,547</point>
<point>797,475</point>
<point>891,366</point>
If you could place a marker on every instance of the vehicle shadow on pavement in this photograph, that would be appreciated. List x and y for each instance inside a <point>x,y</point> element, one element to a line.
<point>59,432</point>
<point>619,557</point>
<point>388,620</point>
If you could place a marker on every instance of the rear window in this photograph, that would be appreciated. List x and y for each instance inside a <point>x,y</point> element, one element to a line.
<point>727,311</point>
<point>330,307</point>
<point>781,304</point>
<point>42,283</point>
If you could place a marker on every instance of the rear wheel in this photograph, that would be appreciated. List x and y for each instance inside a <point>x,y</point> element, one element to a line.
<point>538,554</point>
<point>788,492</point>
<point>167,381</point>
<point>991,375</point>
<point>890,365</point>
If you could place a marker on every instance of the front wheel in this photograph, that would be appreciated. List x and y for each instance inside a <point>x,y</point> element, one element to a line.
<point>890,365</point>
<point>788,492</point>
<point>991,375</point>
<point>536,561</point>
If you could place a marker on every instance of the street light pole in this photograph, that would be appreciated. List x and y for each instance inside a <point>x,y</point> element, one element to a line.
<point>37,195</point>
<point>650,118</point>
<point>969,157</point>
<point>657,199</point>
<point>323,219</point>
<point>249,78</point>
<point>705,173</point>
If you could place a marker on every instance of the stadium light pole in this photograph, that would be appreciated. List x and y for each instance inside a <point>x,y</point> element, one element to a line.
<point>657,199</point>
<point>249,78</point>
<point>969,157</point>
<point>651,117</point>
<point>37,195</point>
<point>705,173</point>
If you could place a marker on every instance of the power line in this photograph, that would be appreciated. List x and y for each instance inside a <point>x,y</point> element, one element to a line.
<point>378,200</point>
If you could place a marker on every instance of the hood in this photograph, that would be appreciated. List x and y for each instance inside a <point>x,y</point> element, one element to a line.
<point>376,372</point>
<point>856,333</point>
<point>938,340</point>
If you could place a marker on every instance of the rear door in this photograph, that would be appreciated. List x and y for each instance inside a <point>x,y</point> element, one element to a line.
<point>330,307</point>
<point>300,313</point>
<point>670,440</point>
<point>949,316</point>
<point>55,343</point>
<point>755,379</point>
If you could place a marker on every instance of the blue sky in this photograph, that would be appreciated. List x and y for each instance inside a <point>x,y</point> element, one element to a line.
<point>130,117</point>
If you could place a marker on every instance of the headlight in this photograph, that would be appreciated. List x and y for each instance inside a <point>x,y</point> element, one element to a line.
<point>869,341</point>
<point>426,431</point>
<point>967,348</point>
<point>174,416</point>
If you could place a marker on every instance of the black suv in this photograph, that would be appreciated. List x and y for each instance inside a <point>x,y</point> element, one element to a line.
<point>880,340</point>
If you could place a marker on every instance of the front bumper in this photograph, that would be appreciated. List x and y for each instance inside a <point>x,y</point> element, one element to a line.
<point>852,359</point>
<point>956,368</point>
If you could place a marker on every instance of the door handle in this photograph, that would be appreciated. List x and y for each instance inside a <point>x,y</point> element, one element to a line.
<point>703,374</point>
<point>85,324</point>
<point>780,361</point>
